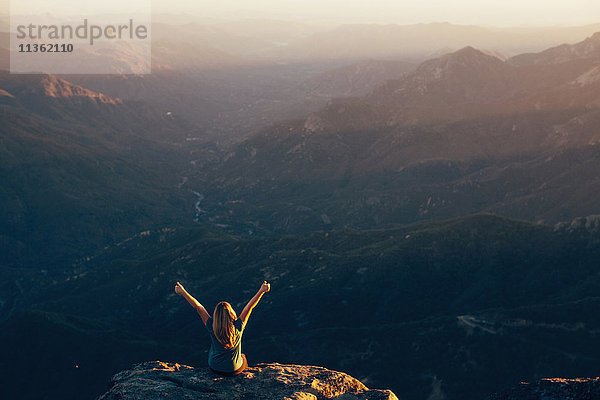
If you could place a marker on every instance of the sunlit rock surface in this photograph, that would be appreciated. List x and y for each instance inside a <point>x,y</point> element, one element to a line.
<point>159,380</point>
<point>554,389</point>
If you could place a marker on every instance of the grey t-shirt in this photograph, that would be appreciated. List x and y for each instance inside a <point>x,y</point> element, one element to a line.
<point>220,358</point>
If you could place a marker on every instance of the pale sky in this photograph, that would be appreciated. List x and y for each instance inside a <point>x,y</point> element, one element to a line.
<point>471,12</point>
<point>476,12</point>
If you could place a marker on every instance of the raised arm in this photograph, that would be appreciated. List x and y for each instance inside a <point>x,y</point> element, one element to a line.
<point>193,302</point>
<point>265,287</point>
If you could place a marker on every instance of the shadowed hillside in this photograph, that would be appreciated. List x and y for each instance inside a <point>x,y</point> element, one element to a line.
<point>444,302</point>
<point>80,169</point>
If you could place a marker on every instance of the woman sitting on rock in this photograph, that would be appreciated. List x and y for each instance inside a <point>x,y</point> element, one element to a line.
<point>225,329</point>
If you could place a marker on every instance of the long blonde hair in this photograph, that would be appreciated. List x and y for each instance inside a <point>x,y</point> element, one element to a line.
<point>223,318</point>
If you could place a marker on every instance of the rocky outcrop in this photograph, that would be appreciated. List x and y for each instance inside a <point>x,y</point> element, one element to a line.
<point>554,389</point>
<point>159,380</point>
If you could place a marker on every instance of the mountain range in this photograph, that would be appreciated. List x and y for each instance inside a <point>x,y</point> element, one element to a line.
<point>419,41</point>
<point>461,133</point>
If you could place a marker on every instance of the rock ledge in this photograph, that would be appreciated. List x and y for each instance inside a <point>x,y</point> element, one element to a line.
<point>160,380</point>
<point>554,389</point>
